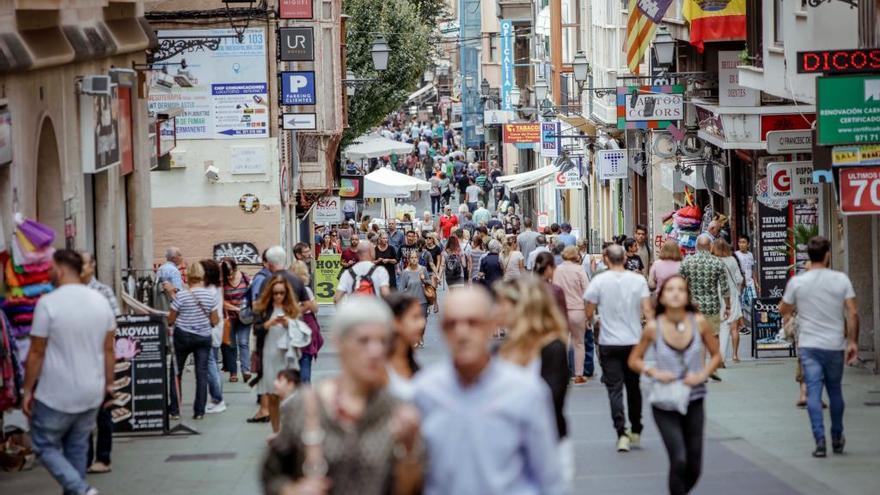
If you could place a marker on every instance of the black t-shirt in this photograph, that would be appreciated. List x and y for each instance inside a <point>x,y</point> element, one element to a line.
<point>634,263</point>
<point>406,250</point>
<point>435,254</point>
<point>389,253</point>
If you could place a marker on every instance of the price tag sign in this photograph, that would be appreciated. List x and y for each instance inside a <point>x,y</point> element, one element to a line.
<point>860,191</point>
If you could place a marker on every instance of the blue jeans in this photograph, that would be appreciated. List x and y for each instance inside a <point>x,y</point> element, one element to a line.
<point>823,368</point>
<point>186,343</point>
<point>305,368</point>
<point>241,335</point>
<point>215,389</point>
<point>590,348</point>
<point>61,440</point>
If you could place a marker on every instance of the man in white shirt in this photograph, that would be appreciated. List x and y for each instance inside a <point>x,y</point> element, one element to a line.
<point>828,332</point>
<point>72,357</point>
<point>472,194</point>
<point>541,247</point>
<point>621,297</point>
<point>365,270</point>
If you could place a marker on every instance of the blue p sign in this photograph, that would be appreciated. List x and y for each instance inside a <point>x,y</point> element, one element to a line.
<point>298,88</point>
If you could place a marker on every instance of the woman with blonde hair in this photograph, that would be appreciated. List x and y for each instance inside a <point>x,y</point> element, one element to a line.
<point>735,281</point>
<point>570,276</point>
<point>667,266</point>
<point>512,261</point>
<point>310,318</point>
<point>536,332</point>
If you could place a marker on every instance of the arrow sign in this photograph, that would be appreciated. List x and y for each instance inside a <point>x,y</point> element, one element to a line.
<point>299,122</point>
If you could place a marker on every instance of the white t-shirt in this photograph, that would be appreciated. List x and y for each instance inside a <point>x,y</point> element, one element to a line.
<point>473,193</point>
<point>511,267</point>
<point>361,268</point>
<point>618,296</point>
<point>423,147</point>
<point>819,296</point>
<point>747,265</point>
<point>75,320</point>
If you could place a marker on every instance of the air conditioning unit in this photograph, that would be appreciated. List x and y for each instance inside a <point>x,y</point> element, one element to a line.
<point>96,85</point>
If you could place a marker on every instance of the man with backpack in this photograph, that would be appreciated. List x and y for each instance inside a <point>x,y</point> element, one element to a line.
<point>365,277</point>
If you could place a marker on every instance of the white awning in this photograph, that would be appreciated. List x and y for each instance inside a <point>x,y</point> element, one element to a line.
<point>528,180</point>
<point>424,90</point>
<point>386,183</point>
<point>374,146</point>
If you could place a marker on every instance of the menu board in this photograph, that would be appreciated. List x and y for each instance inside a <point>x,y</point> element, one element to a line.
<point>774,260</point>
<point>766,323</point>
<point>140,383</point>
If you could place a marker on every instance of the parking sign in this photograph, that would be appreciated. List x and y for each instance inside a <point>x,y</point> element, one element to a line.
<point>298,88</point>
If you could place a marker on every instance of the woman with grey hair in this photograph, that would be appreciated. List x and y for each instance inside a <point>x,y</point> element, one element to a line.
<point>491,270</point>
<point>348,434</point>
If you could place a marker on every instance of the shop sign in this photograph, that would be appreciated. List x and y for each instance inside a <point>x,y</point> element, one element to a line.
<point>351,187</point>
<point>299,121</point>
<point>328,211</point>
<point>247,160</point>
<point>99,131</point>
<point>849,109</point>
<point>5,136</point>
<point>244,253</point>
<point>730,93</point>
<point>229,93</point>
<point>860,191</point>
<point>551,143</point>
<point>543,221</point>
<point>495,117</point>
<point>789,141</point>
<point>327,270</point>
<point>249,203</point>
<point>649,107</point>
<point>298,88</point>
<point>507,63</point>
<point>521,133</point>
<point>296,44</point>
<point>766,323</point>
<point>612,164</point>
<point>140,377</point>
<point>569,179</point>
<point>295,9</point>
<point>710,123</point>
<point>785,122</point>
<point>853,156</point>
<point>791,180</point>
<point>774,260</point>
<point>838,61</point>
<point>718,179</point>
<point>762,194</point>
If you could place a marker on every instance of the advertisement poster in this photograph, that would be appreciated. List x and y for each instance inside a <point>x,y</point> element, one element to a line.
<point>328,211</point>
<point>860,191</point>
<point>766,323</point>
<point>773,252</point>
<point>847,108</point>
<point>805,221</point>
<point>351,187</point>
<point>99,131</point>
<point>229,94</point>
<point>327,269</point>
<point>140,382</point>
<point>730,93</point>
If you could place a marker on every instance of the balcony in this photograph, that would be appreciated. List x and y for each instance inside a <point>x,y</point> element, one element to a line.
<point>516,10</point>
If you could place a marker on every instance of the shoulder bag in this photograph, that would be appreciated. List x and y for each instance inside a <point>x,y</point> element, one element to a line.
<point>213,319</point>
<point>675,395</point>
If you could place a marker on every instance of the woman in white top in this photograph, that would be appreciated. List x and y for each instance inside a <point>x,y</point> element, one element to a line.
<point>730,326</point>
<point>408,328</point>
<point>512,261</point>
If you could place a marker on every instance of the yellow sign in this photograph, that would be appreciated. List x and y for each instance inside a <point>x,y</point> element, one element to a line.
<point>327,268</point>
<point>855,155</point>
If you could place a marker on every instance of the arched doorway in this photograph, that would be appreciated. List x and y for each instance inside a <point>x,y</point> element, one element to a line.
<point>50,199</point>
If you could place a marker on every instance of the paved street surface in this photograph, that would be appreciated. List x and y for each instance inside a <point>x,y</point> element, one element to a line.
<point>757,442</point>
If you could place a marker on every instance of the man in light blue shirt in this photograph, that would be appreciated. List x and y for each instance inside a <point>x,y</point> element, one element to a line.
<point>168,279</point>
<point>566,236</point>
<point>481,215</point>
<point>488,424</point>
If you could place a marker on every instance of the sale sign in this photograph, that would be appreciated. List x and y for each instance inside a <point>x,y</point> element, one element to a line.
<point>860,191</point>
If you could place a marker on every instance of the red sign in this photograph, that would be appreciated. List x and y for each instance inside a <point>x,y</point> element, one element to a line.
<point>838,61</point>
<point>126,155</point>
<point>295,9</point>
<point>521,133</point>
<point>860,190</point>
<point>786,122</point>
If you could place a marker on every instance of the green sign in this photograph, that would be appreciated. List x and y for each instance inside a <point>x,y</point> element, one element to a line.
<point>327,268</point>
<point>848,109</point>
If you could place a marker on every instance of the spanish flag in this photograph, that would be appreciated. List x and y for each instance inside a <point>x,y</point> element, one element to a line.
<point>715,20</point>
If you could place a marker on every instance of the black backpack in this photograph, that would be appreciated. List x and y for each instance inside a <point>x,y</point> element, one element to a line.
<point>454,268</point>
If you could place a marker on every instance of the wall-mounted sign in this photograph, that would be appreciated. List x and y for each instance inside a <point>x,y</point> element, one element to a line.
<point>99,131</point>
<point>612,164</point>
<point>295,9</point>
<point>838,61</point>
<point>773,252</point>
<point>495,117</point>
<point>785,122</point>
<point>246,160</point>
<point>328,211</point>
<point>860,191</point>
<point>296,44</point>
<point>166,130</point>
<point>791,180</point>
<point>244,253</point>
<point>551,143</point>
<point>649,107</point>
<point>789,141</point>
<point>849,109</point>
<point>249,203</point>
<point>569,179</point>
<point>507,63</point>
<point>730,93</point>
<point>521,133</point>
<point>299,121</point>
<point>5,136</point>
<point>351,186</point>
<point>853,156</point>
<point>298,88</point>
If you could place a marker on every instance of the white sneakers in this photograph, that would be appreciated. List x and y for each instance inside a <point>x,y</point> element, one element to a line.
<point>629,441</point>
<point>623,443</point>
<point>214,408</point>
<point>635,440</point>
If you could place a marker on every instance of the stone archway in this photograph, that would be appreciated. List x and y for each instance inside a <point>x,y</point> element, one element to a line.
<point>50,197</point>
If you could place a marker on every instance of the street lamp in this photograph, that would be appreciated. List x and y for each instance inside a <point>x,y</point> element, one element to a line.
<point>380,52</point>
<point>514,95</point>
<point>350,88</point>
<point>581,68</point>
<point>484,87</point>
<point>541,90</point>
<point>664,47</point>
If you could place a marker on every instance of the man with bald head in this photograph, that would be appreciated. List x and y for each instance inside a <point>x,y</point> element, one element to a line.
<point>713,230</point>
<point>622,298</point>
<point>488,424</point>
<point>363,274</point>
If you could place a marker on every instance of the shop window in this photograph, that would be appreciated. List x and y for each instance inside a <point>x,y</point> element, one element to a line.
<point>493,47</point>
<point>778,22</point>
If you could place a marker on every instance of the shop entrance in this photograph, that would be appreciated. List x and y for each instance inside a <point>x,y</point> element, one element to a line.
<point>50,202</point>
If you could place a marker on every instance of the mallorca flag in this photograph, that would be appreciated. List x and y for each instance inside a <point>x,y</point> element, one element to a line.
<point>644,15</point>
<point>715,20</point>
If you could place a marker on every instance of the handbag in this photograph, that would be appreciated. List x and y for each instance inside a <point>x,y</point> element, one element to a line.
<point>672,396</point>
<point>430,292</point>
<point>227,330</point>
